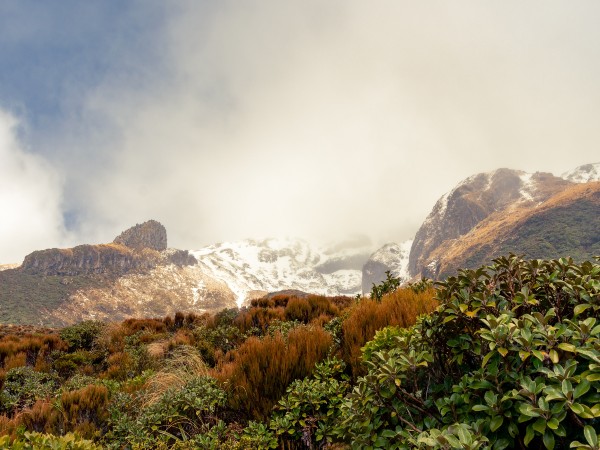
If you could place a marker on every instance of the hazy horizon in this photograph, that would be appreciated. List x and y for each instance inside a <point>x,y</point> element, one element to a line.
<point>318,120</point>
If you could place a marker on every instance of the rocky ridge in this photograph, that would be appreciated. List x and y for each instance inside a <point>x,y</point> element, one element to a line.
<point>139,248</point>
<point>473,200</point>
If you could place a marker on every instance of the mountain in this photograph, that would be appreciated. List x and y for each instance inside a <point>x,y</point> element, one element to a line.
<point>138,276</point>
<point>583,174</point>
<point>391,257</point>
<point>472,201</point>
<point>252,268</point>
<point>134,276</point>
<point>516,211</point>
<point>567,224</point>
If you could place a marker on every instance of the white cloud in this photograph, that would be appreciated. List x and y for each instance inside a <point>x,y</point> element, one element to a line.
<point>324,119</point>
<point>30,198</point>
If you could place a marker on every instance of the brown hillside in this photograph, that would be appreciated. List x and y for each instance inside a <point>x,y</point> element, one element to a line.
<point>566,222</point>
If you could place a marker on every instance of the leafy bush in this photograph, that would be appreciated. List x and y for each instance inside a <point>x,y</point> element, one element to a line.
<point>510,359</point>
<point>23,386</point>
<point>39,441</point>
<point>181,413</point>
<point>308,412</point>
<point>83,335</point>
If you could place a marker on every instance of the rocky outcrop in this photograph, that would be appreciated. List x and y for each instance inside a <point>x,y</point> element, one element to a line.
<point>140,248</point>
<point>472,201</point>
<point>150,234</point>
<point>391,257</point>
<point>88,259</point>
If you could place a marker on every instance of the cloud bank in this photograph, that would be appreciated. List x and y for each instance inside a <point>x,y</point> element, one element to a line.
<point>30,198</point>
<point>325,119</point>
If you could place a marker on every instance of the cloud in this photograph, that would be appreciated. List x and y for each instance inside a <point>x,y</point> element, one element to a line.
<point>30,198</point>
<point>325,119</point>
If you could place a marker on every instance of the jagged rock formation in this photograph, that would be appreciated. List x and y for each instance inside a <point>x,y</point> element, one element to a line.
<point>150,234</point>
<point>141,247</point>
<point>472,201</point>
<point>391,257</point>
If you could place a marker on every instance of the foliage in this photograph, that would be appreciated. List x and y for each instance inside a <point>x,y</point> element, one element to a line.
<point>387,286</point>
<point>399,308</point>
<point>179,414</point>
<point>83,335</point>
<point>309,410</point>
<point>39,441</point>
<point>260,370</point>
<point>23,386</point>
<point>513,351</point>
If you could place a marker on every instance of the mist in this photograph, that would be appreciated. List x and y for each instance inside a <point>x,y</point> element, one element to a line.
<point>323,120</point>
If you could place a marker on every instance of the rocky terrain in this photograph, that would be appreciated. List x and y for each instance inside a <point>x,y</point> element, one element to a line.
<point>142,247</point>
<point>567,224</point>
<point>137,276</point>
<point>472,201</point>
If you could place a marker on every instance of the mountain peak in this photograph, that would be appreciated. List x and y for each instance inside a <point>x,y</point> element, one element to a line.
<point>150,234</point>
<point>584,173</point>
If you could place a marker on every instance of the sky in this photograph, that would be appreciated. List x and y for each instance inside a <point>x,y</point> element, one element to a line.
<point>227,120</point>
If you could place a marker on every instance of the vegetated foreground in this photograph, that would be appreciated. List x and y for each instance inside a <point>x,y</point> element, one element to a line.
<point>506,356</point>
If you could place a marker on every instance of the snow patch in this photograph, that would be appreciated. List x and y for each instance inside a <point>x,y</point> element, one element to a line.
<point>583,174</point>
<point>277,264</point>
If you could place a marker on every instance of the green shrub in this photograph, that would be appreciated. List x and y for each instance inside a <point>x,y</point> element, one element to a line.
<point>179,414</point>
<point>23,386</point>
<point>310,409</point>
<point>83,335</point>
<point>510,359</point>
<point>39,441</point>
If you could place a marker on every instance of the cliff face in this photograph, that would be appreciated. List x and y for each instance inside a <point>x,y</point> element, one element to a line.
<point>86,259</point>
<point>141,247</point>
<point>471,202</point>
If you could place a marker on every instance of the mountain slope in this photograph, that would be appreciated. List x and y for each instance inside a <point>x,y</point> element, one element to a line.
<point>567,224</point>
<point>583,174</point>
<point>472,201</point>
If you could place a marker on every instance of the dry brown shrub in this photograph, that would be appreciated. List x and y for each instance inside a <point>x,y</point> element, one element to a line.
<point>15,360</point>
<point>120,366</point>
<point>158,349</point>
<point>32,346</point>
<point>258,317</point>
<point>8,426</point>
<point>42,417</point>
<point>399,308</point>
<point>259,371</point>
<point>85,410</point>
<point>111,338</point>
<point>132,326</point>
<point>306,309</point>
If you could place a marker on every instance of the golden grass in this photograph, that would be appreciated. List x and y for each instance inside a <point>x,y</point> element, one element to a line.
<point>182,367</point>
